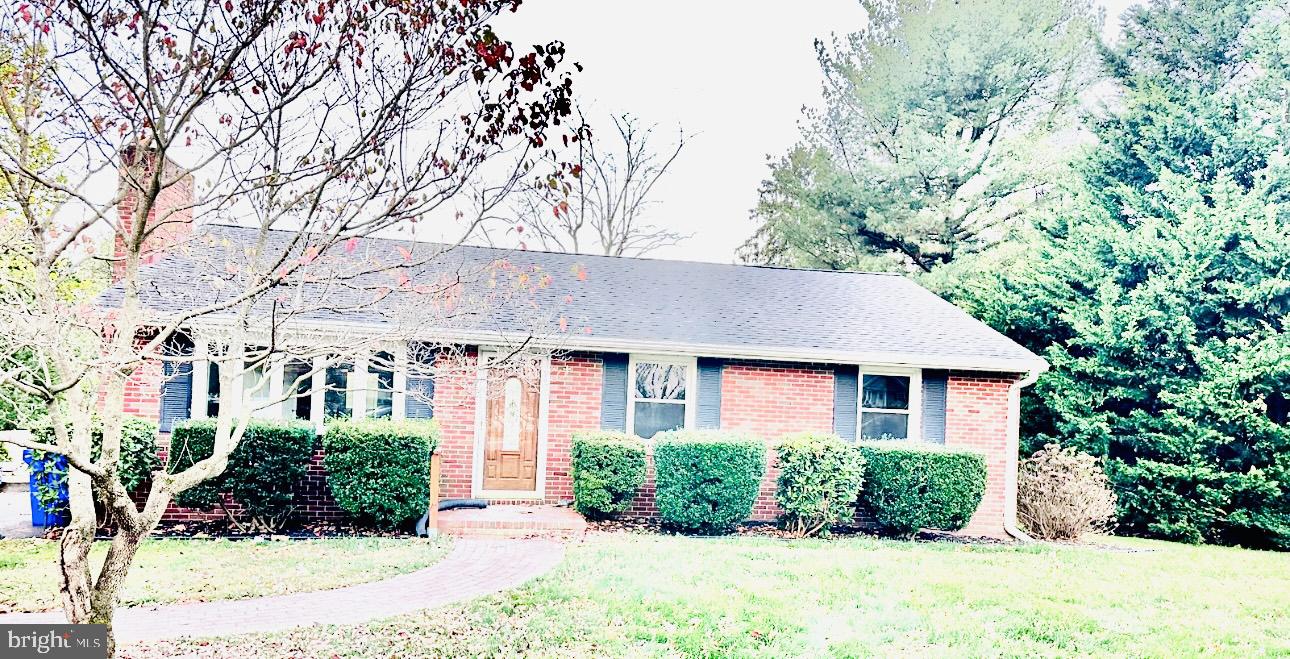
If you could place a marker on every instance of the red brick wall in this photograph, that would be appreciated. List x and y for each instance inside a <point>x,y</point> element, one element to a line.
<point>770,400</point>
<point>573,405</point>
<point>454,407</point>
<point>143,392</point>
<point>976,417</point>
<point>170,220</point>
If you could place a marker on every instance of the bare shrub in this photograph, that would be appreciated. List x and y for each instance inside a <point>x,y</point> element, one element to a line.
<point>1063,494</point>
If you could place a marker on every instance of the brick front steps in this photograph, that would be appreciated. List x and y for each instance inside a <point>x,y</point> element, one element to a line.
<point>513,521</point>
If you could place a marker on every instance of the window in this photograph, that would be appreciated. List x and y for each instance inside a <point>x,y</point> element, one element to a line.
<point>886,406</point>
<point>255,386</point>
<point>660,395</point>
<point>380,394</point>
<point>336,400</point>
<point>298,373</point>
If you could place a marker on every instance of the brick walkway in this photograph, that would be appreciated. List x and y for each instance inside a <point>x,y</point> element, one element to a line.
<point>476,567</point>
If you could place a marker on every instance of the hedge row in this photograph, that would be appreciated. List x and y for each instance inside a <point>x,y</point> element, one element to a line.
<point>377,469</point>
<point>707,481</point>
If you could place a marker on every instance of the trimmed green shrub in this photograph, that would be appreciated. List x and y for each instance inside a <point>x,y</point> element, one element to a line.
<point>379,469</point>
<point>138,449</point>
<point>262,473</point>
<point>820,476</point>
<point>706,480</point>
<point>607,469</point>
<point>139,457</point>
<point>911,486</point>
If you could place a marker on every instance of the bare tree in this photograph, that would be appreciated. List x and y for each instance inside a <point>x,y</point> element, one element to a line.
<point>311,125</point>
<point>600,208</point>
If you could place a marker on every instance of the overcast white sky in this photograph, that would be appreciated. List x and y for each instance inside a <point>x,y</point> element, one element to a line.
<point>734,75</point>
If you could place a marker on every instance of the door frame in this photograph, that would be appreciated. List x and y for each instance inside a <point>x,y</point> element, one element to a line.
<point>481,431</point>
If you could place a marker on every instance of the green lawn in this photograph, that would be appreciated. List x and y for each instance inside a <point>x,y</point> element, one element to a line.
<point>203,570</point>
<point>642,595</point>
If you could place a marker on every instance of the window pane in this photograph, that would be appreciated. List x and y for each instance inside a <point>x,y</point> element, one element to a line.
<point>660,381</point>
<point>888,392</point>
<point>878,425</point>
<point>212,389</point>
<point>336,400</point>
<point>255,384</point>
<point>301,406</point>
<point>653,418</point>
<point>380,399</point>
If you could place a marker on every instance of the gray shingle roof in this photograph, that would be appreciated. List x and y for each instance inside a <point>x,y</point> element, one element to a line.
<point>639,304</point>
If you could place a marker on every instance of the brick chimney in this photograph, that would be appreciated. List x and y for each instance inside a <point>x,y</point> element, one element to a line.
<point>170,218</point>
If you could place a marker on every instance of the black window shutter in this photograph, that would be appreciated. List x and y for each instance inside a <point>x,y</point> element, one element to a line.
<point>613,392</point>
<point>845,392</point>
<point>709,412</point>
<point>418,402</point>
<point>934,385</point>
<point>176,394</point>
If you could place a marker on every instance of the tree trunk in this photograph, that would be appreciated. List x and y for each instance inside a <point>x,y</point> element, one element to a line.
<point>75,576</point>
<point>116,566</point>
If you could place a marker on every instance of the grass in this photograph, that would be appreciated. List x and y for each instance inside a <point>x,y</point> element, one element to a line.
<point>169,570</point>
<point>642,595</point>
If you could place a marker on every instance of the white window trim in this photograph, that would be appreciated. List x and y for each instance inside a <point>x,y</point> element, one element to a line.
<point>691,386</point>
<point>481,432</point>
<point>915,411</point>
<point>360,382</point>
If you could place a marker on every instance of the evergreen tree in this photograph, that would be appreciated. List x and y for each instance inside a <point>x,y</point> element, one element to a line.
<point>1160,289</point>
<point>938,129</point>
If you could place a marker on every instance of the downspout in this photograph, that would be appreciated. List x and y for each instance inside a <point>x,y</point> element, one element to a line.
<point>1014,449</point>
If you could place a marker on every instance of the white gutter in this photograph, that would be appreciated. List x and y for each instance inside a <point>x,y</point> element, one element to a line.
<point>1013,447</point>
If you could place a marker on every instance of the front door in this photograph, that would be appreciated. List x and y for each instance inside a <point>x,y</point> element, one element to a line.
<point>511,432</point>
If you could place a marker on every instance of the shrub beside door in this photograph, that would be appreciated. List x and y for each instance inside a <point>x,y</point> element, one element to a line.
<point>378,469</point>
<point>607,469</point>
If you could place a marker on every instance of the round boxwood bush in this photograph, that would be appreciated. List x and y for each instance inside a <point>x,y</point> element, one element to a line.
<point>820,476</point>
<point>911,486</point>
<point>607,469</point>
<point>378,469</point>
<point>706,481</point>
<point>262,475</point>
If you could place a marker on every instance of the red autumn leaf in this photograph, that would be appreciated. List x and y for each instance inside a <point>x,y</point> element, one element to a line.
<point>407,256</point>
<point>311,254</point>
<point>351,245</point>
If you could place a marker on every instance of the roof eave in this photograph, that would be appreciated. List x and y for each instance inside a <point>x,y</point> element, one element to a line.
<point>592,343</point>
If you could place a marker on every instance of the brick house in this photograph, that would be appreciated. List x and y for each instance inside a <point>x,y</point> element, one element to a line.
<point>639,345</point>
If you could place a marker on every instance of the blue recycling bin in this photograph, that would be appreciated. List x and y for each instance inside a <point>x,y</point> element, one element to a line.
<point>47,470</point>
